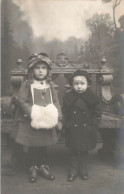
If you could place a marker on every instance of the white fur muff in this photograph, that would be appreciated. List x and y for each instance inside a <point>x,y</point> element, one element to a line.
<point>44,117</point>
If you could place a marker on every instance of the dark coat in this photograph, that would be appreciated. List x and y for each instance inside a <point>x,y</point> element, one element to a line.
<point>81,118</point>
<point>26,135</point>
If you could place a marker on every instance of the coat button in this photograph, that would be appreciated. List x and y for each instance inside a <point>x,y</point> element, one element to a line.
<point>85,125</point>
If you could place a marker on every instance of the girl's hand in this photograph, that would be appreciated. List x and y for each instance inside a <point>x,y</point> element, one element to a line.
<point>59,126</point>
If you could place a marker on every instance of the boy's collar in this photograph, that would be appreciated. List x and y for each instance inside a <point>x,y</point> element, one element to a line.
<point>88,96</point>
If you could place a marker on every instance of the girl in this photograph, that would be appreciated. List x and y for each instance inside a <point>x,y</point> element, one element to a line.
<point>39,115</point>
<point>81,118</point>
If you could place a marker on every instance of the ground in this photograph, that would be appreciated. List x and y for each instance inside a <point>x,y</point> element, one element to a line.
<point>103,178</point>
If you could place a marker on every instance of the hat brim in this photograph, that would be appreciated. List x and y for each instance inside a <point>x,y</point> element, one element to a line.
<point>37,61</point>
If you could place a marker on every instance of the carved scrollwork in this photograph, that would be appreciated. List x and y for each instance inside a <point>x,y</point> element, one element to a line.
<point>17,76</point>
<point>61,60</point>
<point>8,107</point>
<point>16,80</point>
<point>105,87</point>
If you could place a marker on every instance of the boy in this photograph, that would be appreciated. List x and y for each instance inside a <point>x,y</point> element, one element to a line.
<point>81,118</point>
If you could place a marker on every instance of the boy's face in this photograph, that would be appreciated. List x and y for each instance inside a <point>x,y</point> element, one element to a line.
<point>40,71</point>
<point>80,84</point>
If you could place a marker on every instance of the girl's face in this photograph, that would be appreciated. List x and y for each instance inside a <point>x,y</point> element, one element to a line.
<point>40,71</point>
<point>80,84</point>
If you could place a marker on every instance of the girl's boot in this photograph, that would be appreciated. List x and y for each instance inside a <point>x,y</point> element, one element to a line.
<point>33,174</point>
<point>45,172</point>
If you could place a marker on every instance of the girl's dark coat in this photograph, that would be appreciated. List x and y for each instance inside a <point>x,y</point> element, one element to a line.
<point>81,118</point>
<point>25,134</point>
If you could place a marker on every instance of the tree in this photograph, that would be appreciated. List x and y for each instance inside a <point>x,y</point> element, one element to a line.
<point>25,53</point>
<point>7,43</point>
<point>101,41</point>
<point>120,68</point>
<point>10,49</point>
<point>81,54</point>
<point>115,4</point>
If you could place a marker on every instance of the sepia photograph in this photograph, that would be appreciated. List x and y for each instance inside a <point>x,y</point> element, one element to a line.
<point>62,97</point>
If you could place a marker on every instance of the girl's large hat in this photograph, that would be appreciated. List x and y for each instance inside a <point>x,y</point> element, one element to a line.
<point>36,58</point>
<point>80,72</point>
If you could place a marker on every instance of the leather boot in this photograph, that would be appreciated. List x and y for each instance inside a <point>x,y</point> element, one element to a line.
<point>45,172</point>
<point>83,165</point>
<point>33,174</point>
<point>74,167</point>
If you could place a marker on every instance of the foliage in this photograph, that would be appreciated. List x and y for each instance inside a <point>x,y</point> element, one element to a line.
<point>120,42</point>
<point>11,50</point>
<point>115,4</point>
<point>101,42</point>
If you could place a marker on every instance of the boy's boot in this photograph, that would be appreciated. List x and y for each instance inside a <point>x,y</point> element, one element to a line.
<point>74,167</point>
<point>83,165</point>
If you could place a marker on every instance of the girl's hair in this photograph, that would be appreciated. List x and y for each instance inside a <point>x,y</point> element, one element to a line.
<point>30,76</point>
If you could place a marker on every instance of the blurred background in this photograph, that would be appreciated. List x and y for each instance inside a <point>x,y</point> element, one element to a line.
<point>86,31</point>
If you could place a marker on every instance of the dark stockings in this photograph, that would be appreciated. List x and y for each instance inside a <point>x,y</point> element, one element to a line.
<point>83,162</point>
<point>37,156</point>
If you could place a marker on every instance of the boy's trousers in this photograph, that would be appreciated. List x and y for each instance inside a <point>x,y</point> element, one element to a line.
<point>78,162</point>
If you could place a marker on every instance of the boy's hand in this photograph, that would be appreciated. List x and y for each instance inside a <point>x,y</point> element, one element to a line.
<point>59,126</point>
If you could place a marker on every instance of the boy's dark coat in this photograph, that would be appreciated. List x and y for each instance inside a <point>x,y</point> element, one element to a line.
<point>25,134</point>
<point>81,118</point>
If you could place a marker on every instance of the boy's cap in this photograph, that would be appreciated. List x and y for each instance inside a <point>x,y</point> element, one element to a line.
<point>80,72</point>
<point>36,58</point>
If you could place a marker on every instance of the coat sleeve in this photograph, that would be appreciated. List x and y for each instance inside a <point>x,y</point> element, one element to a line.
<point>96,114</point>
<point>56,101</point>
<point>65,111</point>
<point>23,99</point>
